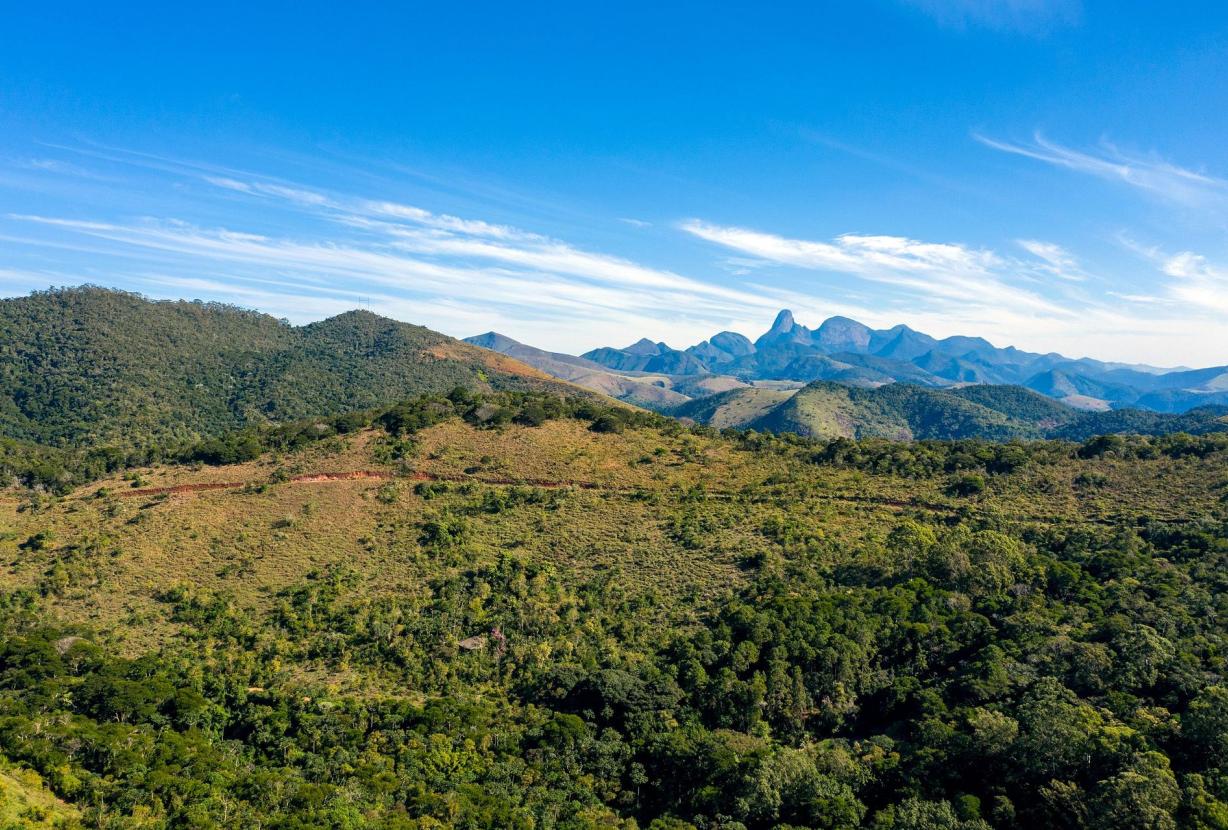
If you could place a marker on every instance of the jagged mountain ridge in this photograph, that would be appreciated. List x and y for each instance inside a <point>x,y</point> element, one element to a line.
<point>859,398</point>
<point>849,352</point>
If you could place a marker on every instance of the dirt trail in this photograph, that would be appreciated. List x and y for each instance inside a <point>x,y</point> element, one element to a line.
<point>358,475</point>
<point>353,475</point>
<point>311,478</point>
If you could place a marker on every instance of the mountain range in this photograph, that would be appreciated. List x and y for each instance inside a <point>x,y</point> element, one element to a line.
<point>847,352</point>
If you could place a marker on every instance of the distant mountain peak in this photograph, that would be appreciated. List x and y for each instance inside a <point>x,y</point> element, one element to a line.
<point>784,330</point>
<point>783,324</point>
<point>644,346</point>
<point>733,343</point>
<point>844,333</point>
<point>493,340</point>
<point>847,351</point>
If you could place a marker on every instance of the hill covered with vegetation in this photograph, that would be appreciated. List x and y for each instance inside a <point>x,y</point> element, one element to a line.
<point>732,409</point>
<point>895,411</point>
<point>900,411</point>
<point>525,611</point>
<point>89,367</point>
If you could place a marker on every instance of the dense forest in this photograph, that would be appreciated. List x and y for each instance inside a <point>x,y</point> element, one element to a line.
<point>87,367</point>
<point>522,610</point>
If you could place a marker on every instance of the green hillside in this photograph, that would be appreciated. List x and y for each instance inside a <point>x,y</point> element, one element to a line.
<point>88,366</point>
<point>733,408</point>
<point>520,611</point>
<point>903,412</point>
<point>1018,403</point>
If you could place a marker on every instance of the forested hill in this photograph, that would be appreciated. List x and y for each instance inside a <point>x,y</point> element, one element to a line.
<point>903,411</point>
<point>523,611</point>
<point>87,366</point>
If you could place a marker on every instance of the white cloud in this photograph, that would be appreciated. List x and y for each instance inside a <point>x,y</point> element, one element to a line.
<point>444,222</point>
<point>1151,174</point>
<point>1198,282</point>
<point>462,275</point>
<point>952,273</point>
<point>452,272</point>
<point>1056,260</point>
<point>292,194</point>
<point>946,289</point>
<point>412,229</point>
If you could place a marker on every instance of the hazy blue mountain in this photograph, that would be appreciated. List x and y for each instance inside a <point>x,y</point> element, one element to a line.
<point>646,347</point>
<point>733,343</point>
<point>1181,400</point>
<point>585,373</point>
<point>847,351</point>
<point>722,348</point>
<point>784,332</point>
<point>840,334</point>
<point>1063,383</point>
<point>902,343</point>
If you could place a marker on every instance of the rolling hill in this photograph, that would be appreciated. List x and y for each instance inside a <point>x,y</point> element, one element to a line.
<point>82,368</point>
<point>899,411</point>
<point>904,412</point>
<point>734,408</point>
<point>86,366</point>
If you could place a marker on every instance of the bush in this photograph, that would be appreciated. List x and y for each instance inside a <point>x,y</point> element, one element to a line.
<point>969,484</point>
<point>608,422</point>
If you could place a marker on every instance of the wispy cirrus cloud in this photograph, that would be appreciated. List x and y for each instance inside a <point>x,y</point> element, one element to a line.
<point>1197,281</point>
<point>949,273</point>
<point>458,273</point>
<point>291,194</point>
<point>1151,174</point>
<point>1055,259</point>
<point>1192,282</point>
<point>305,251</point>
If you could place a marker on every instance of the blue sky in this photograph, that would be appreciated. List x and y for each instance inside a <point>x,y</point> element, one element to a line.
<point>1045,173</point>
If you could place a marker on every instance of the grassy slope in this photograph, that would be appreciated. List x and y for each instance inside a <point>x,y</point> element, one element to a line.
<point>26,802</point>
<point>112,554</point>
<point>828,410</point>
<point>902,411</point>
<point>648,392</point>
<point>734,408</point>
